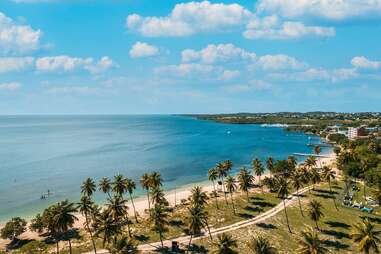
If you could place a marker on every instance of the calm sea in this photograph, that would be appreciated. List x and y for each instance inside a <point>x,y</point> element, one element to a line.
<point>56,153</point>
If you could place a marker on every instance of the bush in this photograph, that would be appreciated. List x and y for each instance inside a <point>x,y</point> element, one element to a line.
<point>13,228</point>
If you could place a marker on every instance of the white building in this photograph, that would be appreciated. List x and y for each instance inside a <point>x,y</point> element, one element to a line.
<point>352,133</point>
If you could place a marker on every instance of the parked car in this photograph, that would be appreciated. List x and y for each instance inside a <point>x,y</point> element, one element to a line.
<point>367,209</point>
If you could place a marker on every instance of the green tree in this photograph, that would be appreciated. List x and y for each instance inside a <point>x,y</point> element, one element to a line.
<point>88,187</point>
<point>119,185</point>
<point>195,224</point>
<point>270,165</point>
<point>225,244</point>
<point>118,210</point>
<point>317,151</point>
<point>131,187</point>
<point>258,170</point>
<point>231,186</point>
<point>159,219</point>
<point>158,196</point>
<point>37,224</point>
<point>297,183</point>
<point>123,245</point>
<point>105,186</point>
<point>314,177</point>
<point>86,206</point>
<point>283,189</point>
<point>245,180</point>
<point>261,245</point>
<point>198,198</point>
<point>329,175</point>
<point>145,182</point>
<point>315,212</point>
<point>106,227</point>
<point>156,180</point>
<point>213,176</point>
<point>13,228</point>
<point>310,243</point>
<point>222,173</point>
<point>367,237</point>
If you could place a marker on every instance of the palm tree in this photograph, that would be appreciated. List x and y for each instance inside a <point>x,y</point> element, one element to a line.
<point>86,206</point>
<point>118,210</point>
<point>366,236</point>
<point>213,176</point>
<point>314,177</point>
<point>377,194</point>
<point>63,218</point>
<point>310,162</point>
<point>222,173</point>
<point>291,161</point>
<point>365,165</point>
<point>310,243</point>
<point>258,170</point>
<point>297,183</point>
<point>195,222</point>
<point>330,175</point>
<point>106,226</point>
<point>156,180</point>
<point>119,185</point>
<point>283,192</point>
<point>315,212</point>
<point>245,179</point>
<point>131,186</point>
<point>105,186</point>
<point>159,220</point>
<point>225,244</point>
<point>270,164</point>
<point>88,187</point>
<point>228,165</point>
<point>158,196</point>
<point>198,197</point>
<point>317,151</point>
<point>145,182</point>
<point>261,245</point>
<point>123,245</point>
<point>231,186</point>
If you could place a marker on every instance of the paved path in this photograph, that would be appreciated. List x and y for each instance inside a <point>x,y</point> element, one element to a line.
<point>185,239</point>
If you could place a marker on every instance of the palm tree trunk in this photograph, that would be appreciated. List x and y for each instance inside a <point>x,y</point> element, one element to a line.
<point>215,194</point>
<point>285,212</point>
<point>149,205</point>
<point>58,250</point>
<point>247,196</point>
<point>161,239</point>
<point>300,205</point>
<point>333,196</point>
<point>128,227</point>
<point>133,206</point>
<point>231,197</point>
<point>260,183</point>
<point>223,186</point>
<point>69,246</point>
<point>190,242</point>
<point>210,234</point>
<point>317,226</point>
<point>91,235</point>
<point>364,190</point>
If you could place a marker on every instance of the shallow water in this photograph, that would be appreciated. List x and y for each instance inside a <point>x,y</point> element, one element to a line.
<point>56,153</point>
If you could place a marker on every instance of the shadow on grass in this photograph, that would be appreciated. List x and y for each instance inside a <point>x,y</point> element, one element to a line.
<point>141,238</point>
<point>336,187</point>
<point>336,234</point>
<point>176,223</point>
<point>335,244</point>
<point>326,191</point>
<point>253,209</point>
<point>246,215</point>
<point>262,204</point>
<point>256,198</point>
<point>266,226</point>
<point>194,248</point>
<point>337,224</point>
<point>326,196</point>
<point>17,243</point>
<point>372,219</point>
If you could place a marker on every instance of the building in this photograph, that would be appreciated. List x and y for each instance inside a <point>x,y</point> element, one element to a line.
<point>356,132</point>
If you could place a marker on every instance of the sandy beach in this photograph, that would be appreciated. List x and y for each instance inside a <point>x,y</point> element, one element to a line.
<point>174,197</point>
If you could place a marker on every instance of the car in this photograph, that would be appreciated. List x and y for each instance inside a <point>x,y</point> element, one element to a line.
<point>357,205</point>
<point>367,209</point>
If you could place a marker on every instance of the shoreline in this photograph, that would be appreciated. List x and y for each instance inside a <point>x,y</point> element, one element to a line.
<point>174,195</point>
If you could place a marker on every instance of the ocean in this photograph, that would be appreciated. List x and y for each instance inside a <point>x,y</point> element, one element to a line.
<point>56,153</point>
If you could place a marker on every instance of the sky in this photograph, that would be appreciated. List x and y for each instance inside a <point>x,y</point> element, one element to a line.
<point>169,57</point>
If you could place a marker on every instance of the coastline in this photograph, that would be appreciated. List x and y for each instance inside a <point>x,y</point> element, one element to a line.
<point>173,196</point>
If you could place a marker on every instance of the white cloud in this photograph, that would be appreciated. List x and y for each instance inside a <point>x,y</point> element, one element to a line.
<point>8,64</point>
<point>326,9</point>
<point>364,63</point>
<point>279,62</point>
<point>189,18</point>
<point>66,63</point>
<point>270,27</point>
<point>73,90</point>
<point>229,74</point>
<point>10,86</point>
<point>142,49</point>
<point>189,70</point>
<point>16,38</point>
<point>217,53</point>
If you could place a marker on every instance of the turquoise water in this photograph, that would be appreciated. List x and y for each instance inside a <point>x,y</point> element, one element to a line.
<point>38,153</point>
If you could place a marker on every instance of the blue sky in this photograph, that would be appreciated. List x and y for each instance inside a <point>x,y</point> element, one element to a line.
<point>149,56</point>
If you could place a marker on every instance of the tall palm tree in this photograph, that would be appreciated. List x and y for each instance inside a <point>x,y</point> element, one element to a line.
<point>222,173</point>
<point>156,180</point>
<point>270,164</point>
<point>198,197</point>
<point>228,165</point>
<point>244,180</point>
<point>105,186</point>
<point>232,187</point>
<point>225,244</point>
<point>283,187</point>
<point>213,176</point>
<point>366,236</point>
<point>317,151</point>
<point>159,219</point>
<point>88,187</point>
<point>107,227</point>
<point>123,245</point>
<point>64,218</point>
<point>261,245</point>
<point>86,206</point>
<point>330,175</point>
<point>297,183</point>
<point>315,212</point>
<point>195,224</point>
<point>310,162</point>
<point>119,185</point>
<point>145,182</point>
<point>118,210</point>
<point>365,165</point>
<point>131,186</point>
<point>258,170</point>
<point>314,177</point>
<point>158,196</point>
<point>310,243</point>
<point>292,162</point>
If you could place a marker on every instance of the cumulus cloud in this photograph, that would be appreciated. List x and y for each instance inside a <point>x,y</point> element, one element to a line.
<point>217,53</point>
<point>189,70</point>
<point>142,49</point>
<point>229,74</point>
<point>279,62</point>
<point>362,62</point>
<point>190,18</point>
<point>10,86</point>
<point>331,10</point>
<point>15,38</point>
<point>66,63</point>
<point>8,64</point>
<point>73,90</point>
<point>271,27</point>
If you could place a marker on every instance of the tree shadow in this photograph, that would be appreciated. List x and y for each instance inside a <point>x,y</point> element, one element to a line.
<point>17,243</point>
<point>262,204</point>
<point>336,234</point>
<point>336,187</point>
<point>246,215</point>
<point>256,198</point>
<point>372,219</point>
<point>253,209</point>
<point>337,224</point>
<point>326,196</point>
<point>326,191</point>
<point>335,244</point>
<point>176,223</point>
<point>141,238</point>
<point>266,226</point>
<point>194,248</point>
